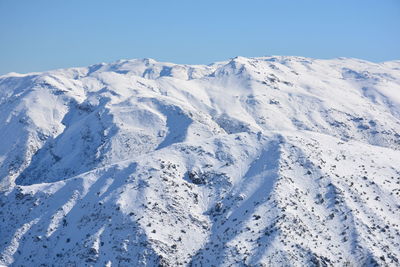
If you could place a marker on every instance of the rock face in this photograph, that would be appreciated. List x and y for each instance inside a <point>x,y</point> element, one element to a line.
<point>272,161</point>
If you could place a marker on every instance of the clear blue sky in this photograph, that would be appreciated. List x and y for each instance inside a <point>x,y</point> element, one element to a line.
<point>38,35</point>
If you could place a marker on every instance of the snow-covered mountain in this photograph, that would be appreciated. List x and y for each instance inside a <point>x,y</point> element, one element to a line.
<point>270,161</point>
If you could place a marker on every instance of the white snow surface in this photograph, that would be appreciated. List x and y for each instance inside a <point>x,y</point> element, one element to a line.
<point>269,161</point>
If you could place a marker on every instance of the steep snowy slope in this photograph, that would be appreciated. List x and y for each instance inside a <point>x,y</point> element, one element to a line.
<point>255,161</point>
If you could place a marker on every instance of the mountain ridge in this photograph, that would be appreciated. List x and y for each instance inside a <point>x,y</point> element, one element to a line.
<point>246,162</point>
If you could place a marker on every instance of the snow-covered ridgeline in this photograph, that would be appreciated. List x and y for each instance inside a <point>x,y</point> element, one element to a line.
<point>250,161</point>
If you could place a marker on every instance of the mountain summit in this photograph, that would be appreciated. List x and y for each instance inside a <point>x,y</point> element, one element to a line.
<point>270,161</point>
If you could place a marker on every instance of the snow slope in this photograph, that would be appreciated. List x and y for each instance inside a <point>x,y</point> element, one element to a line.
<point>270,161</point>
